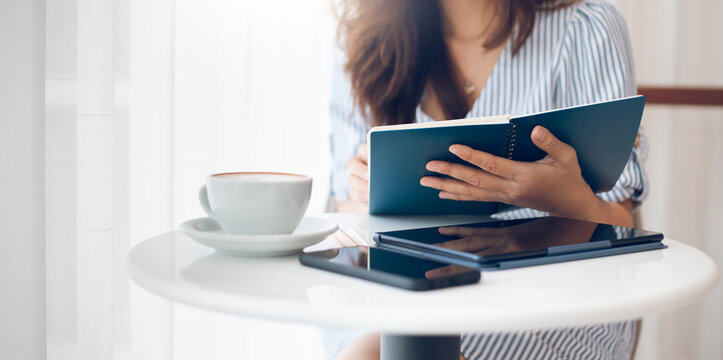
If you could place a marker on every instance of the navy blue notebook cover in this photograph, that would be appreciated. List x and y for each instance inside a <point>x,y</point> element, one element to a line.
<point>603,135</point>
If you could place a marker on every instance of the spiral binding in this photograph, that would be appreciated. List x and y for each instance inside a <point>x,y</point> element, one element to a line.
<point>510,136</point>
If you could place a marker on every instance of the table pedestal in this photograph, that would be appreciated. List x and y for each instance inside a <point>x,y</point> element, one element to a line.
<point>408,347</point>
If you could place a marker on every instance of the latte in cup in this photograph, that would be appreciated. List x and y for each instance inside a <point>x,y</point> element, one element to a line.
<point>256,203</point>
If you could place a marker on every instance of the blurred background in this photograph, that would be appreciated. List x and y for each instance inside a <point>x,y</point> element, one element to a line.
<point>113,112</point>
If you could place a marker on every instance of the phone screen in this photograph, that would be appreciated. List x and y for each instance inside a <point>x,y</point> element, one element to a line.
<point>390,267</point>
<point>370,258</point>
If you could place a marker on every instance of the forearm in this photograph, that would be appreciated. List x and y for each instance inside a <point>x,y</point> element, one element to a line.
<point>614,213</point>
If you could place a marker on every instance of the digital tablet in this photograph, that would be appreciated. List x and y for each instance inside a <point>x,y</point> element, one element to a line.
<point>495,242</point>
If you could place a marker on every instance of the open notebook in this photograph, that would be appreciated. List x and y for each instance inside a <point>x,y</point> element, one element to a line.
<point>603,135</point>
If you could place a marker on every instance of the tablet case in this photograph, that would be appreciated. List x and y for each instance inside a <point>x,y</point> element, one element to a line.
<point>550,239</point>
<point>512,264</point>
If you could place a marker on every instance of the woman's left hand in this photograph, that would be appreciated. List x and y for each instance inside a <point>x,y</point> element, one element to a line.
<point>554,183</point>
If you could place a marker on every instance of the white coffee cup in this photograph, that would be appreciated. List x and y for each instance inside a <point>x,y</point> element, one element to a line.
<point>256,203</point>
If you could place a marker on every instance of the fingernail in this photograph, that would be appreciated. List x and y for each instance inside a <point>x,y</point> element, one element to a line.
<point>425,181</point>
<point>538,133</point>
<point>455,149</point>
<point>444,195</point>
<point>432,166</point>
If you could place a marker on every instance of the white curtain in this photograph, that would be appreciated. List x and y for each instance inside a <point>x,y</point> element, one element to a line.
<point>213,86</point>
<point>111,115</point>
<point>112,112</point>
<point>22,203</point>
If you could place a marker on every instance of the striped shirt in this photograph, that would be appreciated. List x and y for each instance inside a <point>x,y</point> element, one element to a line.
<point>576,55</point>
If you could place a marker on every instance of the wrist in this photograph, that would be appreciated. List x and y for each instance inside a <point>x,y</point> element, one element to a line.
<point>589,208</point>
<point>601,211</point>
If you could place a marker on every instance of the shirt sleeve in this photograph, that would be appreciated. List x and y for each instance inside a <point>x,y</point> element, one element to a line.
<point>348,131</point>
<point>596,65</point>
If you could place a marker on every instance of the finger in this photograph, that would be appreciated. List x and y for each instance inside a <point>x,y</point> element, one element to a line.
<point>492,164</point>
<point>358,168</point>
<point>463,231</point>
<point>490,196</point>
<point>499,248</point>
<point>361,196</point>
<point>454,231</point>
<point>358,183</point>
<point>457,190</point>
<point>445,271</point>
<point>467,174</point>
<point>437,273</point>
<point>362,152</point>
<point>543,139</point>
<point>453,196</point>
<point>470,244</point>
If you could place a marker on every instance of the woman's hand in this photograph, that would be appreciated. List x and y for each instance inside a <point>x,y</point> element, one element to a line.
<point>554,183</point>
<point>358,182</point>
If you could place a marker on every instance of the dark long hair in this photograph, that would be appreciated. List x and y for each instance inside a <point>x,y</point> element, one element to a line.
<point>395,48</point>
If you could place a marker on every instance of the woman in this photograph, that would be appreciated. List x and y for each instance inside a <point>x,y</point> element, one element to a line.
<point>418,61</point>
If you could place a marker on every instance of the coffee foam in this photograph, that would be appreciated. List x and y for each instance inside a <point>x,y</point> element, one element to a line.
<point>260,177</point>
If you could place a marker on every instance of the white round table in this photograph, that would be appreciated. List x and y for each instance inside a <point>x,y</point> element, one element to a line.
<point>573,293</point>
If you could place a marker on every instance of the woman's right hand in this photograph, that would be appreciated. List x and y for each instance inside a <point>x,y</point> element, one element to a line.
<point>358,182</point>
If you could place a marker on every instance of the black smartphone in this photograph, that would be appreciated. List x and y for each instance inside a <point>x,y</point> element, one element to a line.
<point>390,267</point>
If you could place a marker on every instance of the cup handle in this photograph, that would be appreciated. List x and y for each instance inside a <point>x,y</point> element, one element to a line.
<point>203,198</point>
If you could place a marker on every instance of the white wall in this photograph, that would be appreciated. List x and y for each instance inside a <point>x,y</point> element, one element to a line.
<point>678,43</point>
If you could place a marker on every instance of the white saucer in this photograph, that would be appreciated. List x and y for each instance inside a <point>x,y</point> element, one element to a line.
<point>206,231</point>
